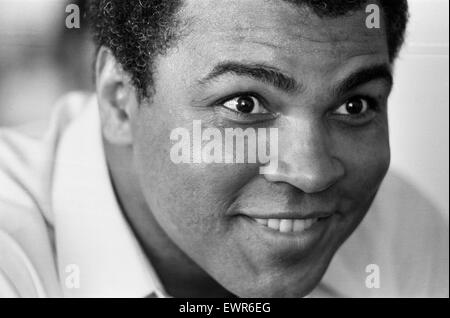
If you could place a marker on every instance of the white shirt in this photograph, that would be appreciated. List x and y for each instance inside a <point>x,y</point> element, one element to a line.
<point>62,233</point>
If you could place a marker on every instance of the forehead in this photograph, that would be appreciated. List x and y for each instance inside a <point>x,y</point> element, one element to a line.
<point>275,25</point>
<point>316,51</point>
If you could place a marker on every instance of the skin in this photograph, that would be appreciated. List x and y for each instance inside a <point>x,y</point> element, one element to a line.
<point>194,220</point>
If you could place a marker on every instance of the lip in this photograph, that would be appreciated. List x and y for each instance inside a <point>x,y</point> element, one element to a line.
<point>289,215</point>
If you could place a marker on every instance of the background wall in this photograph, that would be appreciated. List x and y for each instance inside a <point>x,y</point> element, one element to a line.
<point>419,107</point>
<point>40,59</point>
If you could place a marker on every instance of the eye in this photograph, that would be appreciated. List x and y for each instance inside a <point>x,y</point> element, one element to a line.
<point>353,107</point>
<point>245,104</point>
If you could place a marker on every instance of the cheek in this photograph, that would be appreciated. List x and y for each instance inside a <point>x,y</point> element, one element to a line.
<point>189,201</point>
<point>366,157</point>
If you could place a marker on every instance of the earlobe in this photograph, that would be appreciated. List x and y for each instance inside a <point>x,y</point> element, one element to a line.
<point>117,98</point>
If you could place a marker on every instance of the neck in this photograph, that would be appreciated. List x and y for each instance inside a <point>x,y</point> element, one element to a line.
<point>180,276</point>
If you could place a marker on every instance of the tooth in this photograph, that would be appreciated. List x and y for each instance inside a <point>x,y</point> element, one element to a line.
<point>262,221</point>
<point>274,224</point>
<point>299,225</point>
<point>286,226</point>
<point>307,223</point>
<point>310,223</point>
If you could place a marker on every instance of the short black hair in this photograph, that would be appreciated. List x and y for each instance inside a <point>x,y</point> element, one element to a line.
<point>136,31</point>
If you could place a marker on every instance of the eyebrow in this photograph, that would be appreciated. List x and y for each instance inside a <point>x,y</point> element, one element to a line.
<point>273,76</point>
<point>260,72</point>
<point>363,76</point>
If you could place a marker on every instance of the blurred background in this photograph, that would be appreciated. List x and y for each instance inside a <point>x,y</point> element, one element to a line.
<point>41,59</point>
<point>419,106</point>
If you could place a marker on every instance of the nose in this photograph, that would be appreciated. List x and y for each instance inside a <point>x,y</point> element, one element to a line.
<point>305,158</point>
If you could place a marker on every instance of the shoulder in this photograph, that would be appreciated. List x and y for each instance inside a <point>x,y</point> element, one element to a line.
<point>409,216</point>
<point>418,234</point>
<point>27,158</point>
<point>400,249</point>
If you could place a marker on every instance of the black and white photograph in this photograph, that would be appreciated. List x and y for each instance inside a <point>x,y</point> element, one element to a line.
<point>224,149</point>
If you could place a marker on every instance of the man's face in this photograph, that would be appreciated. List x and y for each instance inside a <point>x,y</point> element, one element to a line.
<point>323,83</point>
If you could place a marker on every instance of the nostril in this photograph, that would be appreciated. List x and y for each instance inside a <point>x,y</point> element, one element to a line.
<point>309,179</point>
<point>313,184</point>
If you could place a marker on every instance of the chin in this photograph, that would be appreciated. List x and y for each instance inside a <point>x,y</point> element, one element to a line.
<point>292,289</point>
<point>294,283</point>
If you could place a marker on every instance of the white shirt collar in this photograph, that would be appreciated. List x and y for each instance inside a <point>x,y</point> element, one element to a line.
<point>91,232</point>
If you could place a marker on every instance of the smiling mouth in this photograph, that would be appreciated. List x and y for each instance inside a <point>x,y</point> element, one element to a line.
<point>288,225</point>
<point>288,231</point>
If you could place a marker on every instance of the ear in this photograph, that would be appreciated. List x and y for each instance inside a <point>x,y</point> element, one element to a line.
<point>117,98</point>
